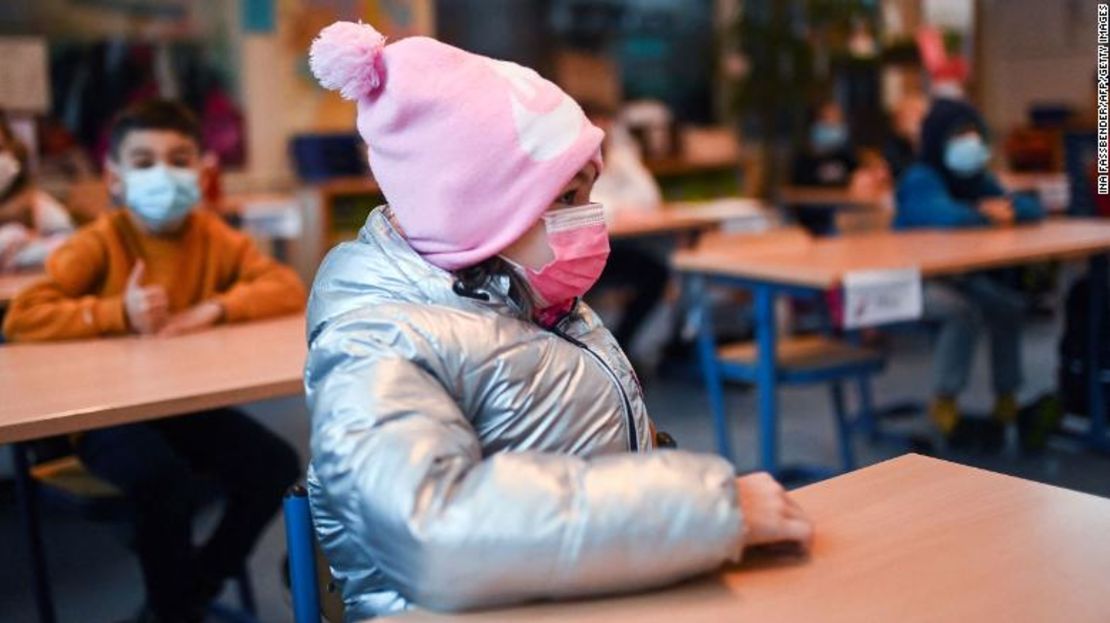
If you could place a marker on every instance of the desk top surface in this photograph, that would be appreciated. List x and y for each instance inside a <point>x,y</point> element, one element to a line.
<point>823,262</point>
<point>665,167</point>
<point>913,539</point>
<point>844,198</point>
<point>64,387</point>
<point>679,217</point>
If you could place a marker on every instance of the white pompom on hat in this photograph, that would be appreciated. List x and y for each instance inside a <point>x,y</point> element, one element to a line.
<point>346,57</point>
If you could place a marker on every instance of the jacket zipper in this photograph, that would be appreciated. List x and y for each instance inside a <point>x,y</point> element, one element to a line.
<point>633,443</point>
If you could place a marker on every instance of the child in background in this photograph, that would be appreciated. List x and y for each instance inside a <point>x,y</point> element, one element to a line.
<point>478,437</point>
<point>625,185</point>
<point>903,143</point>
<point>829,157</point>
<point>873,176</point>
<point>161,267</point>
<point>32,223</point>
<point>950,187</point>
<point>827,161</point>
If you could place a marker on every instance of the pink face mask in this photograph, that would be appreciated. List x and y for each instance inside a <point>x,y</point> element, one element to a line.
<point>580,242</point>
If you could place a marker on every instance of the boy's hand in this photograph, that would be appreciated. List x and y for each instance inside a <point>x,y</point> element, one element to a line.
<point>147,307</point>
<point>196,317</point>
<point>770,515</point>
<point>999,211</point>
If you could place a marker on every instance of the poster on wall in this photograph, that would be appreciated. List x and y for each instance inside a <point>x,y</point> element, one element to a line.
<point>396,19</point>
<point>299,21</point>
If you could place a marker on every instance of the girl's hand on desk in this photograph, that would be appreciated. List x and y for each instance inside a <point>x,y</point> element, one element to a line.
<point>196,317</point>
<point>770,515</point>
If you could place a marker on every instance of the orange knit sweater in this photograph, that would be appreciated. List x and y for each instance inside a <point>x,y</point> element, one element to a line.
<point>82,295</point>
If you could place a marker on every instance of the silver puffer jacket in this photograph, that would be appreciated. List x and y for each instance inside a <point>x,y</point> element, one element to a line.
<point>463,456</point>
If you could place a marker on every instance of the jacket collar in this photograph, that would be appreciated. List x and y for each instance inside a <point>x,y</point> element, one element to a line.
<point>435,283</point>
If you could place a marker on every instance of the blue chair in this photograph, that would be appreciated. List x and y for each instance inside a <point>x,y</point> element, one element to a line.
<point>313,590</point>
<point>799,361</point>
<point>796,361</point>
<point>301,545</point>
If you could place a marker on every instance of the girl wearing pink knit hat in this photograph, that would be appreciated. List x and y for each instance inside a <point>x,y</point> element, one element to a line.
<point>478,437</point>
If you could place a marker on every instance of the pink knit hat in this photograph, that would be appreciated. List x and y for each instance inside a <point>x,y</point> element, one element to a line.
<point>469,151</point>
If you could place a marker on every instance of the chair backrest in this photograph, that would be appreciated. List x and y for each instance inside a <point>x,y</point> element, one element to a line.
<point>65,483</point>
<point>310,582</point>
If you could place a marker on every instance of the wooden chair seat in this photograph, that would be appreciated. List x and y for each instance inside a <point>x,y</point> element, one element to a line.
<point>68,474</point>
<point>803,353</point>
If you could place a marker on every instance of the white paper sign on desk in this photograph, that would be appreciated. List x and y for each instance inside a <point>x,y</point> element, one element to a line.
<point>873,297</point>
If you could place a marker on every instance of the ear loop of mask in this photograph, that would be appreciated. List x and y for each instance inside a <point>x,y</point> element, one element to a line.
<point>555,221</point>
<point>522,274</point>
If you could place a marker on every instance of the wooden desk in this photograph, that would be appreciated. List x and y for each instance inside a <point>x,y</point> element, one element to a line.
<point>684,217</point>
<point>710,164</point>
<point>65,387</point>
<point>12,283</point>
<point>833,198</point>
<point>356,185</point>
<point>807,265</point>
<point>850,212</point>
<point>822,263</point>
<point>664,167</point>
<point>910,540</point>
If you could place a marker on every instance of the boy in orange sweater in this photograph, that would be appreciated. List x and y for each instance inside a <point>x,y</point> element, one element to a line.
<point>161,267</point>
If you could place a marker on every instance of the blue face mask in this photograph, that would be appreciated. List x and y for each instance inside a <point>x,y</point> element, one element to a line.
<point>966,155</point>
<point>161,196</point>
<point>828,136</point>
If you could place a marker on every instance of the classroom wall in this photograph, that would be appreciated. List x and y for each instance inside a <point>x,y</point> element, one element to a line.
<point>279,96</point>
<point>277,104</point>
<point>279,100</point>
<point>270,116</point>
<point>1035,51</point>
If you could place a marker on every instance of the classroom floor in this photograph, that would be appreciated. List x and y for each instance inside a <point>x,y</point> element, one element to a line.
<point>96,579</point>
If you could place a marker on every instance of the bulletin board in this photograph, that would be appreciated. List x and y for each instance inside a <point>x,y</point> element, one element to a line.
<point>299,21</point>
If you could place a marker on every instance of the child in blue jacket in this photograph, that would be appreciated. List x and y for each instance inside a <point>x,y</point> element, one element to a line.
<point>950,187</point>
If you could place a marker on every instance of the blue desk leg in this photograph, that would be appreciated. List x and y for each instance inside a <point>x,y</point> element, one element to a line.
<point>698,300</point>
<point>767,378</point>
<point>29,513</point>
<point>867,420</point>
<point>844,433</point>
<point>1095,395</point>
